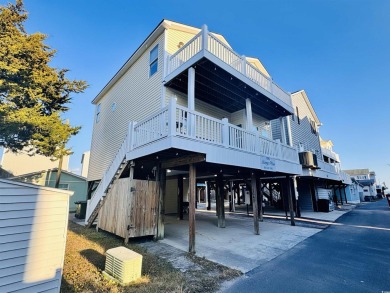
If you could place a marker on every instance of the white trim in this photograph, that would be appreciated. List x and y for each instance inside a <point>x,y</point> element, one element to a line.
<point>12,182</point>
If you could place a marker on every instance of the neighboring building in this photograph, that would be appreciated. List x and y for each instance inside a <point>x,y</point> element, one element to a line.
<point>354,192</point>
<point>33,221</point>
<point>15,164</point>
<point>198,105</point>
<point>367,179</point>
<point>68,181</point>
<point>321,177</point>
<point>85,163</point>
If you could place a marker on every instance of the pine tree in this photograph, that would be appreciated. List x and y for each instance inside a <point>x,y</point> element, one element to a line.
<point>33,95</point>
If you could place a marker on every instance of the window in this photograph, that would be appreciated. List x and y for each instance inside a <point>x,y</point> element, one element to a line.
<point>113,107</point>
<point>313,126</point>
<point>64,186</point>
<point>299,120</point>
<point>98,108</point>
<point>153,61</point>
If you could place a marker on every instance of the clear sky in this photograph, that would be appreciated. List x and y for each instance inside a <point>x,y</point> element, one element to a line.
<point>337,51</point>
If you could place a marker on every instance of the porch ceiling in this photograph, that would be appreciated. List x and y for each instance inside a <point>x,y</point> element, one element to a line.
<point>145,166</point>
<point>221,89</point>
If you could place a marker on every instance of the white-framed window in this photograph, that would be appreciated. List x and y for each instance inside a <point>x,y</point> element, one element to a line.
<point>98,109</point>
<point>64,186</point>
<point>298,119</point>
<point>113,107</point>
<point>153,61</point>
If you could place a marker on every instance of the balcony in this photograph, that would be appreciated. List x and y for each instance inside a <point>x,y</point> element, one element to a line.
<point>330,154</point>
<point>224,78</point>
<point>178,127</point>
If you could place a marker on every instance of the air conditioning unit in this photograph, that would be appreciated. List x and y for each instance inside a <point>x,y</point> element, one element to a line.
<point>123,265</point>
<point>308,160</point>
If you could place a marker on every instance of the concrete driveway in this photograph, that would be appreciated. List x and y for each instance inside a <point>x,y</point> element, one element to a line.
<point>235,246</point>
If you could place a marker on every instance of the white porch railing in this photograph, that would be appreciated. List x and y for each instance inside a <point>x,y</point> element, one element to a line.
<point>151,129</point>
<point>176,120</point>
<point>206,41</point>
<point>326,166</point>
<point>330,154</point>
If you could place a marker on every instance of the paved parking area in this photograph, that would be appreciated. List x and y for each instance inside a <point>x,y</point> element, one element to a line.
<point>235,246</point>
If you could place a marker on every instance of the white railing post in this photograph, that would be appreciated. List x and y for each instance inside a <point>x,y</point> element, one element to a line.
<point>225,132</point>
<point>279,150</point>
<point>172,117</point>
<point>130,136</point>
<point>243,65</point>
<point>205,37</point>
<point>167,65</point>
<point>257,143</point>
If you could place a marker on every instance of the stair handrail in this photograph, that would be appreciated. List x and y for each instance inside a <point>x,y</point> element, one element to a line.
<point>107,178</point>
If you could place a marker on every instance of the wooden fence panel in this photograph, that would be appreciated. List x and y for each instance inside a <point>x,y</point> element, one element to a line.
<point>130,203</point>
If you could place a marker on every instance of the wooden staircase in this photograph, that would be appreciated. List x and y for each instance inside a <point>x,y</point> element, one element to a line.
<point>110,176</point>
<point>96,210</point>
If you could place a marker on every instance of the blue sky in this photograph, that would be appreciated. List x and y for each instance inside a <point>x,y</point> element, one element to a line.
<point>338,51</point>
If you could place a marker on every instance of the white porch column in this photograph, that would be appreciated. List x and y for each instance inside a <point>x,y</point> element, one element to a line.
<point>191,89</point>
<point>249,119</point>
<point>191,100</point>
<point>282,130</point>
<point>290,142</point>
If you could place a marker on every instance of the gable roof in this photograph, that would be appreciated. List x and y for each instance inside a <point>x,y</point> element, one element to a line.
<point>307,101</point>
<point>158,30</point>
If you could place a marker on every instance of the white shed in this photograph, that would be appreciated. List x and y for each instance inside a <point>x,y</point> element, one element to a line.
<point>33,228</point>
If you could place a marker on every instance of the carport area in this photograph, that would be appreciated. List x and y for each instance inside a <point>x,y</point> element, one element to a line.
<point>236,245</point>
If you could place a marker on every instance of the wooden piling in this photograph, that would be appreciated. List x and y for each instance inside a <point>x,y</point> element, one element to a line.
<point>191,212</point>
<point>255,204</point>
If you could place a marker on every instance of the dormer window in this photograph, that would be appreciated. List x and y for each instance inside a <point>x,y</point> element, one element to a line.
<point>153,61</point>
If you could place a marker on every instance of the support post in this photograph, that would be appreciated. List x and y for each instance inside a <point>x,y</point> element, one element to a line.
<point>255,204</point>
<point>345,194</point>
<point>313,196</point>
<point>295,195</point>
<point>221,201</point>
<point>290,201</point>
<point>191,213</point>
<point>238,194</point>
<point>161,202</point>
<point>191,101</point>
<point>282,130</point>
<point>232,193</point>
<point>341,196</point>
<point>129,204</point>
<point>180,196</point>
<point>208,194</point>
<point>260,193</point>
<point>289,140</point>
<point>249,119</point>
